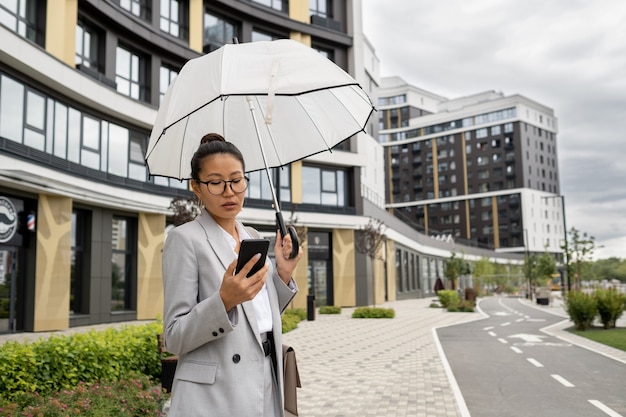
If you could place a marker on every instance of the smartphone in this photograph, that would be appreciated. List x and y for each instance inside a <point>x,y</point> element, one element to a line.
<point>247,249</point>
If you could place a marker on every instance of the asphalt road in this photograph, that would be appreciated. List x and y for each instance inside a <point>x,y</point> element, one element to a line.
<point>505,365</point>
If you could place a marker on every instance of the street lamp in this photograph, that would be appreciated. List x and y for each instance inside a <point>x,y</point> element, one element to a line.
<point>565,246</point>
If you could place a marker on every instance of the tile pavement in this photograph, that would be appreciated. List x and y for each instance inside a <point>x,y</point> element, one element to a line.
<point>375,367</point>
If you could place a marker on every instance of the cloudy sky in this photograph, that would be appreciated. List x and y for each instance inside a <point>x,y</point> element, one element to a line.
<point>569,55</point>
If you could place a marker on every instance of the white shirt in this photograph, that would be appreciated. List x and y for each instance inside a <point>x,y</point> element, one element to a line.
<point>261,302</point>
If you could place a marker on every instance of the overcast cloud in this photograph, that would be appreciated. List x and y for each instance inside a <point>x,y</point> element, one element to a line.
<point>569,55</point>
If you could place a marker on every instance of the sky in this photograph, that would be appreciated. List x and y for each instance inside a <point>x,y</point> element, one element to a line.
<point>569,55</point>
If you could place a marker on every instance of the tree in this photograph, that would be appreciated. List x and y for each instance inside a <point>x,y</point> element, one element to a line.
<point>546,267</point>
<point>454,268</point>
<point>185,209</point>
<point>608,269</point>
<point>369,242</point>
<point>580,250</point>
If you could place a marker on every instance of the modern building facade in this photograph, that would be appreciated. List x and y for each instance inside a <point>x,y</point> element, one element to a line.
<point>481,169</point>
<point>82,223</point>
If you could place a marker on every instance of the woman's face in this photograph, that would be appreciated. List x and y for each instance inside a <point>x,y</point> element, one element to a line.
<point>214,168</point>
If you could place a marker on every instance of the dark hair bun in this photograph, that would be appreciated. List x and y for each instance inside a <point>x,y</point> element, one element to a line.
<point>210,137</point>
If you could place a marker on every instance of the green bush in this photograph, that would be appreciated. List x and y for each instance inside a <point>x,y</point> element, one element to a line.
<point>62,362</point>
<point>291,318</point>
<point>373,313</point>
<point>448,297</point>
<point>132,397</point>
<point>330,310</point>
<point>464,306</point>
<point>434,305</point>
<point>610,306</point>
<point>582,309</point>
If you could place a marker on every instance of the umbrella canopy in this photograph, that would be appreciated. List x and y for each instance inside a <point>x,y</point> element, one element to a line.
<point>305,104</point>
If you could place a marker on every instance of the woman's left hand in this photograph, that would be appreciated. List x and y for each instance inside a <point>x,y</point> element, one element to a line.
<point>285,265</point>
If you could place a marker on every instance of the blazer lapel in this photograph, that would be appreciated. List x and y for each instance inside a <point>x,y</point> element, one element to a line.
<point>216,239</point>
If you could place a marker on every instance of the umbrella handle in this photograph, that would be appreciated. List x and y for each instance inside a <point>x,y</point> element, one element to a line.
<point>280,222</point>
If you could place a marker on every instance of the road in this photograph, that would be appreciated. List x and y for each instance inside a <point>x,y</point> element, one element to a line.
<point>505,365</point>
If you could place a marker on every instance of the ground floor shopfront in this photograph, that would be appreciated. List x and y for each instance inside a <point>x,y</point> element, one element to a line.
<point>67,262</point>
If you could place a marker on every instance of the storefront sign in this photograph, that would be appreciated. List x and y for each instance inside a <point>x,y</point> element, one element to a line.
<point>8,220</point>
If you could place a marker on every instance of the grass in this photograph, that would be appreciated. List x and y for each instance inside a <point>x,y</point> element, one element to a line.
<point>611,337</point>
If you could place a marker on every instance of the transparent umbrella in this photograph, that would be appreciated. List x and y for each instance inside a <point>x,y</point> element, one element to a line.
<point>277,101</point>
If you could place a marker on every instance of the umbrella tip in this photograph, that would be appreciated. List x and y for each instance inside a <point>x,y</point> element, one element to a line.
<point>235,40</point>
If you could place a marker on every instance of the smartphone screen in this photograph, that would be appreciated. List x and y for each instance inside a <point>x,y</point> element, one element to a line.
<point>247,249</point>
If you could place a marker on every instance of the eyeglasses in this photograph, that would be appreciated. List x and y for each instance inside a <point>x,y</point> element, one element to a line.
<point>217,187</point>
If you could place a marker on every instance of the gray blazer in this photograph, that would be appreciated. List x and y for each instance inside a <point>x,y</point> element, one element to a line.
<point>220,369</point>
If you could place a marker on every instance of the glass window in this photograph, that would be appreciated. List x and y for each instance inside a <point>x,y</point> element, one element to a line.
<point>139,8</point>
<point>324,186</point>
<point>20,16</point>
<point>166,75</point>
<point>280,5</point>
<point>79,272</point>
<point>217,32</point>
<point>259,188</point>
<point>321,8</point>
<point>122,264</point>
<point>130,74</point>
<point>170,18</point>
<point>11,109</point>
<point>87,47</point>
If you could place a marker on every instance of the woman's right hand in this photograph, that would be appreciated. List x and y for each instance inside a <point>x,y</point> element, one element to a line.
<point>237,289</point>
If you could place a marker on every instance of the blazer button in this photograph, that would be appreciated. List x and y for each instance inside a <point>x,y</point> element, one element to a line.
<point>221,330</point>
<point>214,334</point>
<point>236,358</point>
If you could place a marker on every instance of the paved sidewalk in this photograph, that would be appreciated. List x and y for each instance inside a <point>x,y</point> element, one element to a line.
<point>376,367</point>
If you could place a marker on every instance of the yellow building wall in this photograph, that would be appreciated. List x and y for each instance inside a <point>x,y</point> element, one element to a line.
<point>61,19</point>
<point>344,269</point>
<point>299,10</point>
<point>296,182</point>
<point>53,263</point>
<point>196,29</point>
<point>149,274</point>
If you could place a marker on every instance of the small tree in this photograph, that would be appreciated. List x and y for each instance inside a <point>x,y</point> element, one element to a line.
<point>579,250</point>
<point>454,268</point>
<point>185,209</point>
<point>369,242</point>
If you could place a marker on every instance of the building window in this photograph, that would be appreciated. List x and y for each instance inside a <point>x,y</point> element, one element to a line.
<point>87,47</point>
<point>174,18</point>
<point>166,75</point>
<point>41,122</point>
<point>139,8</point>
<point>258,36</point>
<point>321,8</point>
<point>279,5</point>
<point>80,262</point>
<point>131,74</point>
<point>259,187</point>
<point>122,264</point>
<point>325,186</point>
<point>23,17</point>
<point>217,32</point>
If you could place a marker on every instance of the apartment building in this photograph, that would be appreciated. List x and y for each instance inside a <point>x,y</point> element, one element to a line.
<point>481,169</point>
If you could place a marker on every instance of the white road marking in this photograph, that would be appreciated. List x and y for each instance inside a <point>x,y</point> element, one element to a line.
<point>491,334</point>
<point>516,349</point>
<point>528,338</point>
<point>502,341</point>
<point>535,362</point>
<point>519,320</point>
<point>488,328</point>
<point>604,408</point>
<point>563,381</point>
<point>508,323</point>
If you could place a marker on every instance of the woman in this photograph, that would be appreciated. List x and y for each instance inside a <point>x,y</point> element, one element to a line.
<point>223,326</point>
